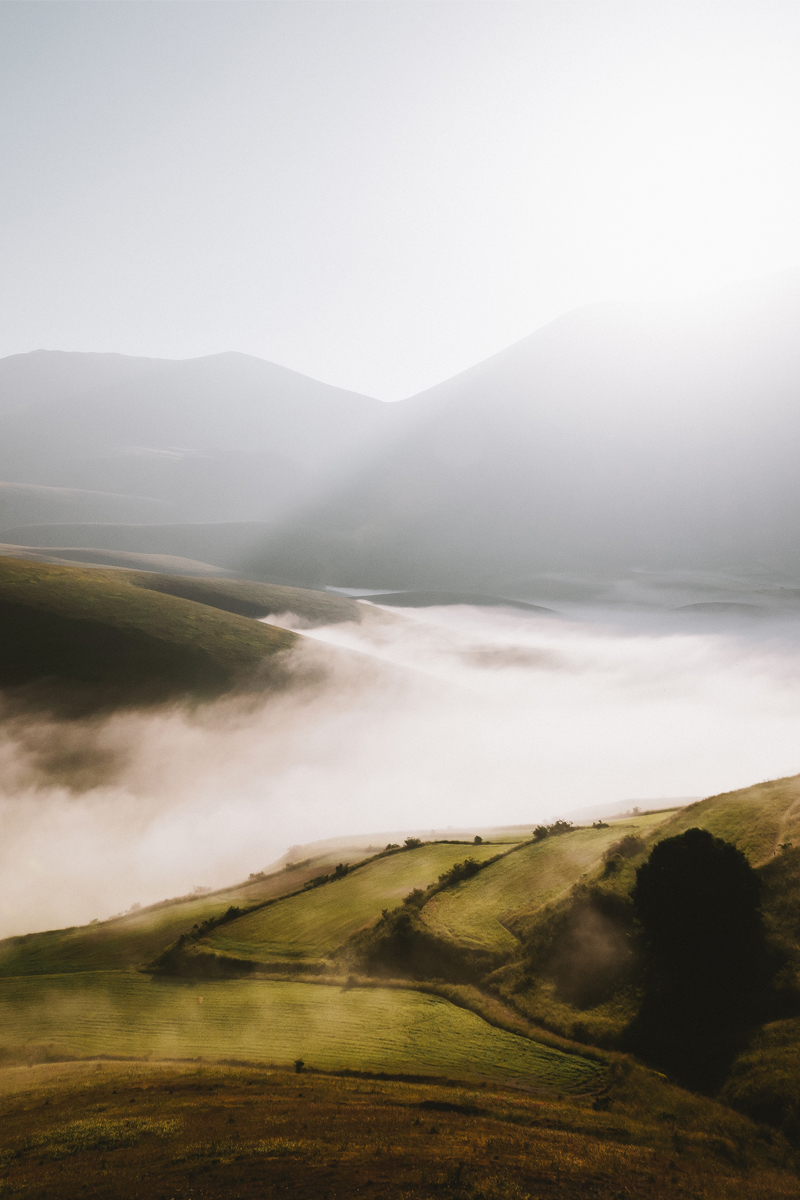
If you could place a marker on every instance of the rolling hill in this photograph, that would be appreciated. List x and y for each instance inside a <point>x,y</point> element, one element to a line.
<point>320,959</point>
<point>224,438</point>
<point>69,632</point>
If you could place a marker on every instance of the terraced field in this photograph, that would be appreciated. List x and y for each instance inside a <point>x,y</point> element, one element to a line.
<point>306,927</point>
<point>136,938</point>
<point>372,1029</point>
<point>472,913</point>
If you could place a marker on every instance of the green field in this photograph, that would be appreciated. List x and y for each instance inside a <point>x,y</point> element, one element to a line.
<point>371,1029</point>
<point>474,913</point>
<point>133,940</point>
<point>311,925</point>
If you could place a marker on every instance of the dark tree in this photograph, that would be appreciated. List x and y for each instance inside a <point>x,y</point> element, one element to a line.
<point>706,967</point>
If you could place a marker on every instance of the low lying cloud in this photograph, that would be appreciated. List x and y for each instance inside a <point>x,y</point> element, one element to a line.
<point>412,720</point>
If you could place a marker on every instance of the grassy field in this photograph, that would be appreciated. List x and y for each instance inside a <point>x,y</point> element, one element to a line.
<point>367,1029</point>
<point>311,925</point>
<point>134,939</point>
<point>93,627</point>
<point>755,818</point>
<point>120,1131</point>
<point>473,912</point>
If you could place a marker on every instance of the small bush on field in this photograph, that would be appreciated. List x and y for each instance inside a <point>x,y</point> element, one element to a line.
<point>618,852</point>
<point>559,827</point>
<point>459,871</point>
<point>412,843</point>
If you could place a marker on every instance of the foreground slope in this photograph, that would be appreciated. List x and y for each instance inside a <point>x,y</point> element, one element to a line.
<point>122,1130</point>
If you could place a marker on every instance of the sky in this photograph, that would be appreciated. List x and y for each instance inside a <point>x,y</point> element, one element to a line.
<point>381,194</point>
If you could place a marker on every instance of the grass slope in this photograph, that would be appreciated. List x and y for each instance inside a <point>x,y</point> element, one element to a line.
<point>307,927</point>
<point>369,1029</point>
<point>756,819</point>
<point>250,599</point>
<point>130,941</point>
<point>126,1130</point>
<point>475,912</point>
<point>560,940</point>
<point>94,627</point>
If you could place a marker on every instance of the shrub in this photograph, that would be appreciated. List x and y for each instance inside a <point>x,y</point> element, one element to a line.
<point>459,871</point>
<point>627,847</point>
<point>559,827</point>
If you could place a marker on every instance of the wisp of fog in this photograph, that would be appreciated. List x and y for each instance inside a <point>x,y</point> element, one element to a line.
<point>459,717</point>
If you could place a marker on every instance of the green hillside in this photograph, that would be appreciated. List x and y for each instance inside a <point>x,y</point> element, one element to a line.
<point>307,927</point>
<point>560,980</point>
<point>534,939</point>
<point>480,912</point>
<point>117,643</point>
<point>250,599</point>
<point>756,819</point>
<point>130,941</point>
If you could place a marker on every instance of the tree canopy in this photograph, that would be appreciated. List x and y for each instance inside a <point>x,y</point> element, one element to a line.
<point>698,902</point>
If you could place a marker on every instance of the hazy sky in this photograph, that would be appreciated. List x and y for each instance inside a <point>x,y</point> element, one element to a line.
<point>380,194</point>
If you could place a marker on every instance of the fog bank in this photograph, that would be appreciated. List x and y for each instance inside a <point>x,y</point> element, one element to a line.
<point>453,716</point>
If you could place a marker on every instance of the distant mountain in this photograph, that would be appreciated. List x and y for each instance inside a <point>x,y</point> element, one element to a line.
<point>25,503</point>
<point>618,438</point>
<point>639,441</point>
<point>223,438</point>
